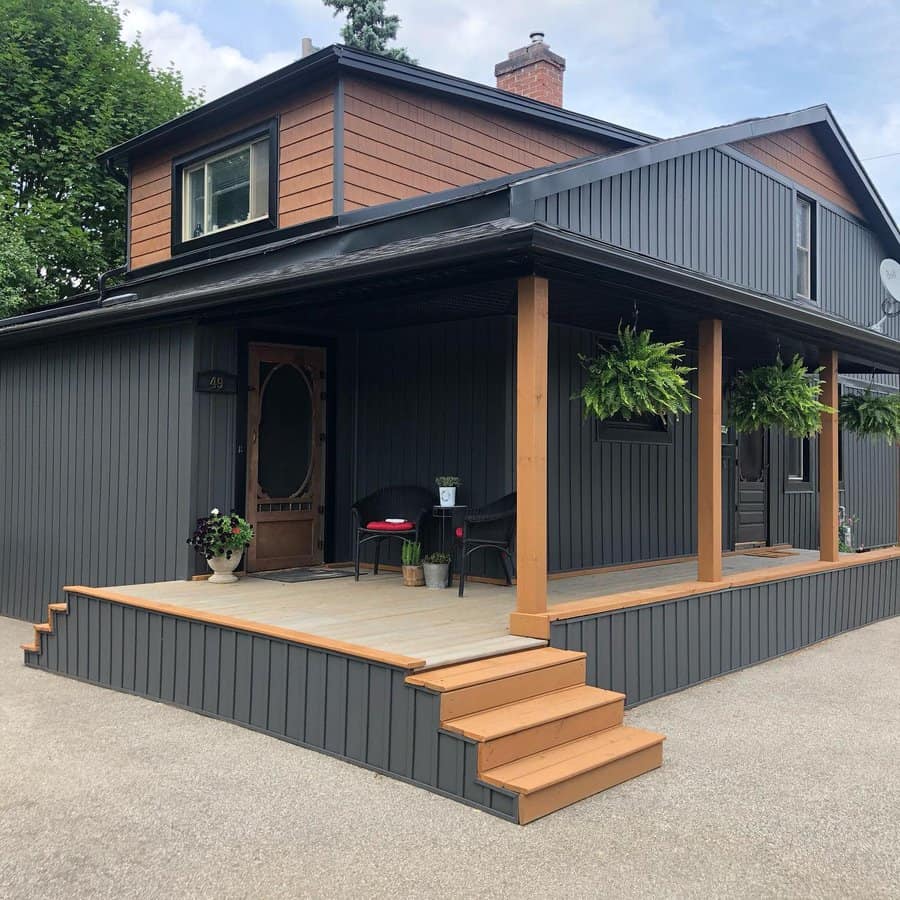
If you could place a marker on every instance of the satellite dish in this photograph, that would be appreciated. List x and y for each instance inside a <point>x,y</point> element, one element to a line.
<point>890,278</point>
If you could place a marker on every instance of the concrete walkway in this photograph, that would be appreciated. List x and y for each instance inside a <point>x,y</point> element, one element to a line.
<point>780,781</point>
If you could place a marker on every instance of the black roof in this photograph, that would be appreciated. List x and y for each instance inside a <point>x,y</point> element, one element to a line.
<point>337,58</point>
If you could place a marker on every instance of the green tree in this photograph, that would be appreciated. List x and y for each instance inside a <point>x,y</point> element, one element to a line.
<point>369,27</point>
<point>72,87</point>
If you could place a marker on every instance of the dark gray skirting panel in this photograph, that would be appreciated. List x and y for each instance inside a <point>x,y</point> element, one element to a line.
<point>652,650</point>
<point>355,709</point>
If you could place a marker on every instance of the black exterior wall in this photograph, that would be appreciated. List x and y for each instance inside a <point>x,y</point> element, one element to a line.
<point>97,453</point>
<point>356,709</point>
<point>649,651</point>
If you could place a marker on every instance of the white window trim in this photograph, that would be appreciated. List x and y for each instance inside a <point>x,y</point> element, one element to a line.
<point>806,249</point>
<point>202,164</point>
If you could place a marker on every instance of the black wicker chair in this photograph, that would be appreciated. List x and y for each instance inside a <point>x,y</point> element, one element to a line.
<point>492,527</point>
<point>398,502</point>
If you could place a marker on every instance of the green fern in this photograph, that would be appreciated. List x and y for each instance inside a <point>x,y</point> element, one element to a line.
<point>871,415</point>
<point>778,396</point>
<point>635,377</point>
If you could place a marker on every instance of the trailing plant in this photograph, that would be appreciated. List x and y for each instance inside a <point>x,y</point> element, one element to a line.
<point>447,481</point>
<point>411,553</point>
<point>778,396</point>
<point>218,535</point>
<point>437,559</point>
<point>872,415</point>
<point>635,377</point>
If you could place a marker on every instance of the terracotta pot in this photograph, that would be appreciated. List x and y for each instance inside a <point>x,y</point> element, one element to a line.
<point>413,576</point>
<point>223,568</point>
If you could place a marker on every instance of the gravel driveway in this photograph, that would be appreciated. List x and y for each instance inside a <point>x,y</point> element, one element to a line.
<point>782,780</point>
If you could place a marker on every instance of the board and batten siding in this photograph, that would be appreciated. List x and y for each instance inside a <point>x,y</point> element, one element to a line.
<point>715,212</point>
<point>400,143</point>
<point>96,449</point>
<point>648,651</point>
<point>305,171</point>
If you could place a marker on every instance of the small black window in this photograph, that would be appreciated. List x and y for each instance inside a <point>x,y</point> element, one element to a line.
<point>798,462</point>
<point>648,429</point>
<point>804,263</point>
<point>226,189</point>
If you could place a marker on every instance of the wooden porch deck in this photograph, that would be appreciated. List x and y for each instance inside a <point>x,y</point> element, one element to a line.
<point>380,619</point>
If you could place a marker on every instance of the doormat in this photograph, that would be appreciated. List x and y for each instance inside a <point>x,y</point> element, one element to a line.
<point>310,573</point>
<point>770,552</point>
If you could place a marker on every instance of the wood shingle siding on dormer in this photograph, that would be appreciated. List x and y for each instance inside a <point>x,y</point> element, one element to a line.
<point>399,143</point>
<point>305,176</point>
<point>797,154</point>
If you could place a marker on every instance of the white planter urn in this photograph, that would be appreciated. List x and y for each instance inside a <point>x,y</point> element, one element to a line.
<point>223,568</point>
<point>447,496</point>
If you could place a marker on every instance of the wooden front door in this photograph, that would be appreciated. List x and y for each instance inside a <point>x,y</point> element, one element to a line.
<point>285,458</point>
<point>752,506</point>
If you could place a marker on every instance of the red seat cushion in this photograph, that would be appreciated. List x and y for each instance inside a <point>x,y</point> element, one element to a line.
<point>390,526</point>
<point>459,532</point>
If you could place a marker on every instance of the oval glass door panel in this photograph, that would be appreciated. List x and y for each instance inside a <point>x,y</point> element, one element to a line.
<point>751,455</point>
<point>285,432</point>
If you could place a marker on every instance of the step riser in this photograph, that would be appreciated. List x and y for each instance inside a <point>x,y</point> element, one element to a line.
<point>541,803</point>
<point>480,697</point>
<point>523,743</point>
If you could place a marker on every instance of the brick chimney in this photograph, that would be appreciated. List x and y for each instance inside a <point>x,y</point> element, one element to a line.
<point>533,71</point>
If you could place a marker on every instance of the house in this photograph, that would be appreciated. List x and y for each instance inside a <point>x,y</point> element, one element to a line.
<point>355,273</point>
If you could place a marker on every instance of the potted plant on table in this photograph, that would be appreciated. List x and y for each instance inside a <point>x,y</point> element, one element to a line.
<point>221,540</point>
<point>447,485</point>
<point>411,557</point>
<point>437,570</point>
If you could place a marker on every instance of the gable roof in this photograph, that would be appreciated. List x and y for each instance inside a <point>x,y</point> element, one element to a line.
<point>336,59</point>
<point>534,186</point>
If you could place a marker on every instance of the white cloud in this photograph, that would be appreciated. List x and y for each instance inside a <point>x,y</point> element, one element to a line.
<point>169,39</point>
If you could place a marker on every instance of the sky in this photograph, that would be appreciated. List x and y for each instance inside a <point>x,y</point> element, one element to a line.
<point>661,66</point>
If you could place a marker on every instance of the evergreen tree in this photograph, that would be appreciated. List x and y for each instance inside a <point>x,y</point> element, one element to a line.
<point>72,88</point>
<point>369,27</point>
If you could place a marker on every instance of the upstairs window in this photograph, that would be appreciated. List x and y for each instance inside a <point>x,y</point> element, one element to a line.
<point>225,188</point>
<point>803,248</point>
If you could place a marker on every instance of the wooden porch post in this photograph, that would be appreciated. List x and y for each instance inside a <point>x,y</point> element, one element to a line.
<point>709,452</point>
<point>829,484</point>
<point>531,445</point>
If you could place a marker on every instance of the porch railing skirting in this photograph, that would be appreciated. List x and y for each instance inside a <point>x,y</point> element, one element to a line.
<point>355,709</point>
<point>651,650</point>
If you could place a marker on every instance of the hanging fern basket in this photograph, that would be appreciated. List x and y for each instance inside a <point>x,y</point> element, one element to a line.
<point>635,377</point>
<point>778,396</point>
<point>871,415</point>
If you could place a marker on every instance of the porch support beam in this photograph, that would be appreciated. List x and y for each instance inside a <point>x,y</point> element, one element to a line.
<point>709,452</point>
<point>531,444</point>
<point>829,485</point>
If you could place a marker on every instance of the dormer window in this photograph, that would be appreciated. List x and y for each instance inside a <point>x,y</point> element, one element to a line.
<point>225,190</point>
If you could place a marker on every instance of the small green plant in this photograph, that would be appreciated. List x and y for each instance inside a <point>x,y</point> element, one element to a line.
<point>636,377</point>
<point>411,553</point>
<point>437,559</point>
<point>447,481</point>
<point>871,415</point>
<point>778,396</point>
<point>218,535</point>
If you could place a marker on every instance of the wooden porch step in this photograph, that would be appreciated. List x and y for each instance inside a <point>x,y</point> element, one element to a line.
<point>562,775</point>
<point>58,609</point>
<point>518,729</point>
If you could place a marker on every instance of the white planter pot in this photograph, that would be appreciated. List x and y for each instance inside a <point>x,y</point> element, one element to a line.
<point>447,495</point>
<point>223,568</point>
<point>436,575</point>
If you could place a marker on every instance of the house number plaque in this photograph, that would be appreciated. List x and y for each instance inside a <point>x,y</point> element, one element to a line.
<point>215,381</point>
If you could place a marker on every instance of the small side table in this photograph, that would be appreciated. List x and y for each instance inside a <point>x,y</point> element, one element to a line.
<point>448,514</point>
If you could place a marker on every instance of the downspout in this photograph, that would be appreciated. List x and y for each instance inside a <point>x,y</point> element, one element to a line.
<point>101,282</point>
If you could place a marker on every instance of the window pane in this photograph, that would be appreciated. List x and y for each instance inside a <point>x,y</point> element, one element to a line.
<point>259,170</point>
<point>228,185</point>
<point>803,285</point>
<point>798,459</point>
<point>802,223</point>
<point>194,200</point>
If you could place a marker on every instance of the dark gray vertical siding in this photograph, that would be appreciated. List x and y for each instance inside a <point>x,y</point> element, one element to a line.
<point>611,502</point>
<point>434,400</point>
<point>652,650</point>
<point>793,512</point>
<point>708,211</point>
<point>727,216</point>
<point>97,463</point>
<point>356,709</point>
